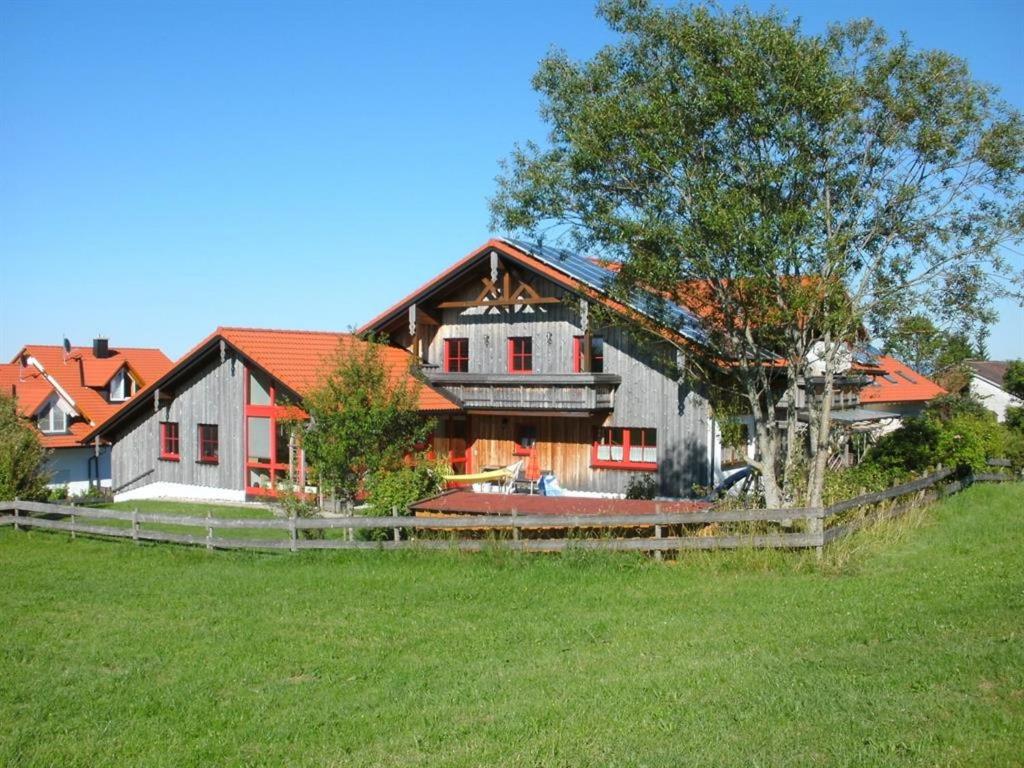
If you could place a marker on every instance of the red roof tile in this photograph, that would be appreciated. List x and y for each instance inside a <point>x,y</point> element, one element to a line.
<point>82,375</point>
<point>300,358</point>
<point>26,384</point>
<point>295,358</point>
<point>899,384</point>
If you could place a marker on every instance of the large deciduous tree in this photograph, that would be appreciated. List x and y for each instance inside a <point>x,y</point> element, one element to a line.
<point>800,188</point>
<point>22,457</point>
<point>363,420</point>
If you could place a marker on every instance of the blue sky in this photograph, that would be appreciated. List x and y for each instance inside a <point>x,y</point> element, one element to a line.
<point>169,167</point>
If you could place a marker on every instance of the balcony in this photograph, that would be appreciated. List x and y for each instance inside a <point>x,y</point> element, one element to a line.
<point>581,393</point>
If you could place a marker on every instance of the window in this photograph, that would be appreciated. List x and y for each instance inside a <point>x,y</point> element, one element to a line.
<point>259,389</point>
<point>625,448</point>
<point>52,420</point>
<point>520,354</point>
<point>209,445</point>
<point>596,354</point>
<point>526,439</point>
<point>272,456</point>
<point>121,386</point>
<point>169,441</point>
<point>456,355</point>
<point>259,439</point>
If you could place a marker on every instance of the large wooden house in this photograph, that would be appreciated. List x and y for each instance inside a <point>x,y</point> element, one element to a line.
<point>511,334</point>
<point>215,426</point>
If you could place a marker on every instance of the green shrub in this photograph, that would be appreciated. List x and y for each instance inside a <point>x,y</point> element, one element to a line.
<point>22,456</point>
<point>397,489</point>
<point>911,448</point>
<point>1014,448</point>
<point>643,486</point>
<point>968,441</point>
<point>1015,418</point>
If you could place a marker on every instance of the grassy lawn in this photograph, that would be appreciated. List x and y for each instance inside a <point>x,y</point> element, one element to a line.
<point>905,646</point>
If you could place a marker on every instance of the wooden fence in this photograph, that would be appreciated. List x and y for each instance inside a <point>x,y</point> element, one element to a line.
<point>659,532</point>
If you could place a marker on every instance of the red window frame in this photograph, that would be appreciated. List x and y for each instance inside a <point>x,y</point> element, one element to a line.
<point>170,443</point>
<point>520,354</point>
<point>596,361</point>
<point>276,470</point>
<point>456,355</point>
<point>625,438</point>
<point>208,438</point>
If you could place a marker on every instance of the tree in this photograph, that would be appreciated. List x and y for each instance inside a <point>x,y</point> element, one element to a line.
<point>800,189</point>
<point>22,456</point>
<point>917,341</point>
<point>1013,379</point>
<point>363,420</point>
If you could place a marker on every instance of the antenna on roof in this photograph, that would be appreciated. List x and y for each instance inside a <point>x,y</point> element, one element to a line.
<point>67,349</point>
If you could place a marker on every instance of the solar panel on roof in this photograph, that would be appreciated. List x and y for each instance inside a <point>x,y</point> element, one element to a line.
<point>592,274</point>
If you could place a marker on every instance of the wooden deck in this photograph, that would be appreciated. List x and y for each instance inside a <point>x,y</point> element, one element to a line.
<point>462,502</point>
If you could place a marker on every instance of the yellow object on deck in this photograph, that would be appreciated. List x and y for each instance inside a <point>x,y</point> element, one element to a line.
<point>479,477</point>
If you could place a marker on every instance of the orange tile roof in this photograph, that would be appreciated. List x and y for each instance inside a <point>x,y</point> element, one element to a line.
<point>299,358</point>
<point>26,384</point>
<point>82,375</point>
<point>295,358</point>
<point>899,383</point>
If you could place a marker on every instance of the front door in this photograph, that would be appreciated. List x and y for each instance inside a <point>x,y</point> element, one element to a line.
<point>525,448</point>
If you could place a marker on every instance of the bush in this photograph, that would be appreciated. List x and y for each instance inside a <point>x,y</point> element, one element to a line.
<point>21,456</point>
<point>643,486</point>
<point>967,441</point>
<point>1014,448</point>
<point>1014,419</point>
<point>955,432</point>
<point>397,489</point>
<point>911,448</point>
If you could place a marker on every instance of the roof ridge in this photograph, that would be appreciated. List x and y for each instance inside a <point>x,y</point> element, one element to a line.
<point>222,328</point>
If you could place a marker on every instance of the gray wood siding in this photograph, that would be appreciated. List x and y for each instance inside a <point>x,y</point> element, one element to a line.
<point>213,395</point>
<point>649,395</point>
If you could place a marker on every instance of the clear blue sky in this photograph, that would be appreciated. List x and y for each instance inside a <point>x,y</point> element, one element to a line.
<point>169,167</point>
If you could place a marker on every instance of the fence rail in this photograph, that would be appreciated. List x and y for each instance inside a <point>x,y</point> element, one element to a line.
<point>659,532</point>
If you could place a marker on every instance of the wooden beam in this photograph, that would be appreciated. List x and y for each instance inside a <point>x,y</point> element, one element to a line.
<point>497,302</point>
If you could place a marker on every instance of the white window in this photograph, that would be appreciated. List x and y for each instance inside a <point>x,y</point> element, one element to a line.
<point>52,419</point>
<point>121,386</point>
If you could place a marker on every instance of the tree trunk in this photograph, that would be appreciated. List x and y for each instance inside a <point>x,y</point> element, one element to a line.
<point>821,430</point>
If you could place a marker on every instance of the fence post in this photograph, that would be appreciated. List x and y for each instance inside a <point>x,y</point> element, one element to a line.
<point>515,524</point>
<point>16,526</point>
<point>657,532</point>
<point>209,532</point>
<point>72,525</point>
<point>816,527</point>
<point>397,531</point>
<point>135,525</point>
<point>293,534</point>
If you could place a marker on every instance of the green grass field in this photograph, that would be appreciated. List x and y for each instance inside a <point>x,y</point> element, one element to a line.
<point>904,646</point>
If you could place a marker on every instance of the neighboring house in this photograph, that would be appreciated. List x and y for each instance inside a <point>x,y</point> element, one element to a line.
<point>67,391</point>
<point>899,392</point>
<point>987,385</point>
<point>215,427</point>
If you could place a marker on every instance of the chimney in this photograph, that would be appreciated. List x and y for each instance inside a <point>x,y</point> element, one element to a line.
<point>100,347</point>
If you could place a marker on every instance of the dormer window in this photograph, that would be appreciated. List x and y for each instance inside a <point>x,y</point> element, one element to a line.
<point>122,386</point>
<point>52,420</point>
